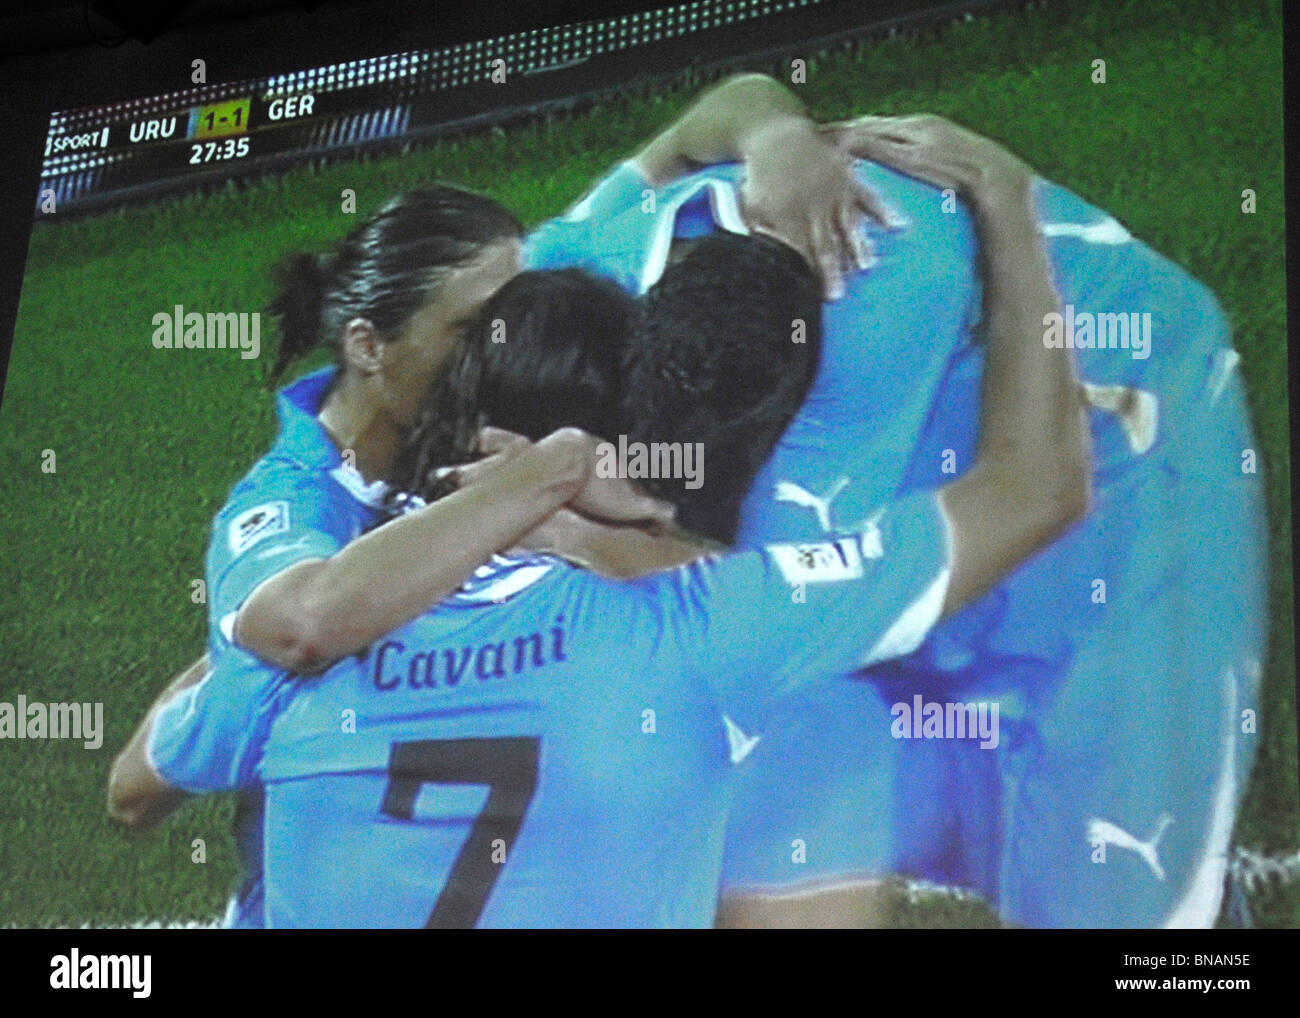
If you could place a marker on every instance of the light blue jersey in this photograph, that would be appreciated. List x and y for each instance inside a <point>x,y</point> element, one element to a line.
<point>1121,704</point>
<point>299,502</point>
<point>548,747</point>
<point>828,777</point>
<point>910,317</point>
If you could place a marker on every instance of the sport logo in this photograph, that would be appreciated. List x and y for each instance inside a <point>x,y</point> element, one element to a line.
<point>1138,412</point>
<point>1103,832</point>
<point>788,491</point>
<point>1108,231</point>
<point>869,539</point>
<point>824,562</point>
<point>739,745</point>
<point>254,524</point>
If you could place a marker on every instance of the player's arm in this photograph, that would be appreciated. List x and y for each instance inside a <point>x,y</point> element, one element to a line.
<point>205,733</point>
<point>798,187</point>
<point>756,625</point>
<point>319,610</point>
<point>1032,477</point>
<point>721,126</point>
<point>138,797</point>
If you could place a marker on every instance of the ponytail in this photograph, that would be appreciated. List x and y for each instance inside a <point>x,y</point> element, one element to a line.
<point>301,284</point>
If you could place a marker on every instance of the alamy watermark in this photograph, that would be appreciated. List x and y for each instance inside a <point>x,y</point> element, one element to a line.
<point>77,971</point>
<point>1106,330</point>
<point>653,460</point>
<point>935,720</point>
<point>23,720</point>
<point>216,330</point>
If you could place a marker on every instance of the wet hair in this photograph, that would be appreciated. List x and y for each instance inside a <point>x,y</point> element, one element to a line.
<point>544,354</point>
<point>708,356</point>
<point>725,349</point>
<point>384,270</point>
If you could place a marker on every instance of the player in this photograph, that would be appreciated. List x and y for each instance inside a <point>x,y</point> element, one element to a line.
<point>288,583</point>
<point>562,708</point>
<point>291,578</point>
<point>1028,824</point>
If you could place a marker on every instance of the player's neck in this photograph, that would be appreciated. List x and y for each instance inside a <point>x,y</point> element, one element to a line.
<point>357,427</point>
<point>619,552</point>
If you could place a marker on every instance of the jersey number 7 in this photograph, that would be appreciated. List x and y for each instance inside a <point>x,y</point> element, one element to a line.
<point>509,768</point>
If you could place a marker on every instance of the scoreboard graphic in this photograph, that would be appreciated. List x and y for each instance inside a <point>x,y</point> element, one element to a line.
<point>105,156</point>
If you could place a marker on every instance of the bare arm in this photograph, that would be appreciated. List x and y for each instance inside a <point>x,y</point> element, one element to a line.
<point>138,797</point>
<point>798,188</point>
<point>1032,477</point>
<point>320,610</point>
<point>719,126</point>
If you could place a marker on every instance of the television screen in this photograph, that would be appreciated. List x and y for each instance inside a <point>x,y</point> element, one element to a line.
<point>743,463</point>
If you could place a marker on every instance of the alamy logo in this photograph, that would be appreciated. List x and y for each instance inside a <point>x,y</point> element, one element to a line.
<point>190,330</point>
<point>74,971</point>
<point>1103,331</point>
<point>655,460</point>
<point>84,721</point>
<point>934,720</point>
<point>1103,832</point>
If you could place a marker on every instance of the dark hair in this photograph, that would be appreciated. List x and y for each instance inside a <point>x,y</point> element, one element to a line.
<point>544,354</point>
<point>718,358</point>
<point>385,269</point>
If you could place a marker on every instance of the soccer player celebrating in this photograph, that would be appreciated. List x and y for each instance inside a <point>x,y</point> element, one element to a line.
<point>297,576</point>
<point>594,710</point>
<point>1125,702</point>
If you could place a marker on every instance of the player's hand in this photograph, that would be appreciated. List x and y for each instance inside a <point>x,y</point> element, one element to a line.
<point>800,189</point>
<point>933,149</point>
<point>605,499</point>
<point>496,447</point>
<point>615,500</point>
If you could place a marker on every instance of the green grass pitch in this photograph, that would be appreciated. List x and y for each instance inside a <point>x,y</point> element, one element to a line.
<point>95,587</point>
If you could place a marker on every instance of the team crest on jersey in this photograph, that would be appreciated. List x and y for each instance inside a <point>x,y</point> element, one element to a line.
<point>261,521</point>
<point>820,562</point>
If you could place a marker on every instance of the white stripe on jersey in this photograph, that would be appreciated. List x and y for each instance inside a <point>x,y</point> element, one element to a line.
<point>1199,907</point>
<point>1108,231</point>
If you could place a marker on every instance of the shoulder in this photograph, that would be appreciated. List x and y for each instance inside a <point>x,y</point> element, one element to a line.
<point>281,506</point>
<point>278,479</point>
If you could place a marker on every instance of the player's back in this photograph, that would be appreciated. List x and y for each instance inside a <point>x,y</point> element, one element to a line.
<point>529,753</point>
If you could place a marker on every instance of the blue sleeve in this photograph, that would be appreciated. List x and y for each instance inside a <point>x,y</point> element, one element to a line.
<point>623,230</point>
<point>605,233</point>
<point>756,626</point>
<point>209,737</point>
<point>278,516</point>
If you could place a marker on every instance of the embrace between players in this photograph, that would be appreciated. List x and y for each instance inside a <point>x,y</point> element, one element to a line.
<point>460,678</point>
